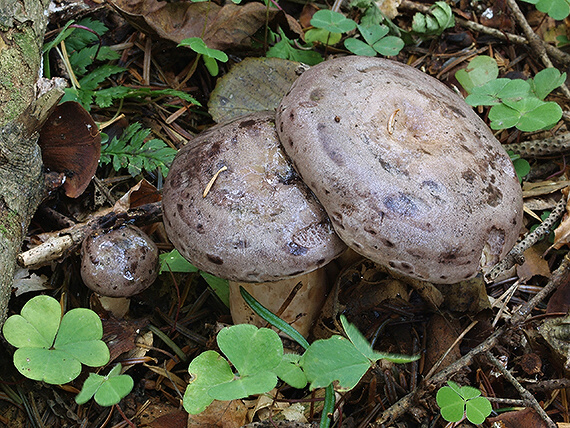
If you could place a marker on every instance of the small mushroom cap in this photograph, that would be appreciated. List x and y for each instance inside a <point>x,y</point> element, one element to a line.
<point>410,176</point>
<point>119,263</point>
<point>258,222</point>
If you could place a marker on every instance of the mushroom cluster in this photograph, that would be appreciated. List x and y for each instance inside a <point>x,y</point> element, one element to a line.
<point>408,174</point>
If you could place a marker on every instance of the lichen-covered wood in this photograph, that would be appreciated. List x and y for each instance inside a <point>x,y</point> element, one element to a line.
<point>22,25</point>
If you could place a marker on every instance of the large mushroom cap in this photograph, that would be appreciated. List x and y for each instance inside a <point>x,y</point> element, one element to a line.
<point>258,221</point>
<point>410,176</point>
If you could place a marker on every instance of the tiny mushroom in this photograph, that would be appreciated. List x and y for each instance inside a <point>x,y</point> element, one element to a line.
<point>119,263</point>
<point>410,176</point>
<point>234,207</point>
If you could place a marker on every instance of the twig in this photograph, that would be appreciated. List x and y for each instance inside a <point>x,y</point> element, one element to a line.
<point>535,42</point>
<point>67,239</point>
<point>525,394</point>
<point>399,408</point>
<point>558,277</point>
<point>515,256</point>
<point>449,349</point>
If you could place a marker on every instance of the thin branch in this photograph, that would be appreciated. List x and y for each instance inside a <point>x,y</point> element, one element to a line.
<point>536,43</point>
<point>405,403</point>
<point>559,276</point>
<point>524,393</point>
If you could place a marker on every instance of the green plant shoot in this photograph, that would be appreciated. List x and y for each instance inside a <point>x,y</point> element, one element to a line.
<point>51,348</point>
<point>106,390</point>
<point>210,56</point>
<point>458,402</point>
<point>436,21</point>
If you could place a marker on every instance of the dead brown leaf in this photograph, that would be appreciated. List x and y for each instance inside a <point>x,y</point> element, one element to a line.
<point>225,28</point>
<point>534,264</point>
<point>527,418</point>
<point>441,333</point>
<point>220,414</point>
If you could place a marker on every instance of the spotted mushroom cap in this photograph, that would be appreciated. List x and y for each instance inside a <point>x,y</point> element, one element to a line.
<point>119,263</point>
<point>234,206</point>
<point>410,176</point>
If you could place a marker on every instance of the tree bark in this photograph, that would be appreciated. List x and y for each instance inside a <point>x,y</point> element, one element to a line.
<point>22,29</point>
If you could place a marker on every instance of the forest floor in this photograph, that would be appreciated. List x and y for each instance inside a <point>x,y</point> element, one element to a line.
<point>507,337</point>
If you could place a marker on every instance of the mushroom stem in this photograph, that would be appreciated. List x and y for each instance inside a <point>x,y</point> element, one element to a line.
<point>297,300</point>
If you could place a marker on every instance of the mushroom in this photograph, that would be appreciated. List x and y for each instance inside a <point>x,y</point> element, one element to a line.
<point>119,263</point>
<point>410,176</point>
<point>234,207</point>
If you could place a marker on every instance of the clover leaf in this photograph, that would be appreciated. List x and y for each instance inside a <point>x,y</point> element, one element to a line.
<point>457,402</point>
<point>254,352</point>
<point>107,390</point>
<point>52,348</point>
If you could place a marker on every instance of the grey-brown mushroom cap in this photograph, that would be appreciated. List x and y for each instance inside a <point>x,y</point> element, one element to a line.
<point>119,263</point>
<point>258,222</point>
<point>410,176</point>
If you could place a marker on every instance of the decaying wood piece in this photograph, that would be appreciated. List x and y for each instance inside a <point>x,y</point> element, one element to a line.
<point>22,27</point>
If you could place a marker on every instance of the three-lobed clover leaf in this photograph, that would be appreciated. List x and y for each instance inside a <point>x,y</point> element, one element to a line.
<point>106,390</point>
<point>514,102</point>
<point>254,352</point>
<point>457,402</point>
<point>376,41</point>
<point>52,348</point>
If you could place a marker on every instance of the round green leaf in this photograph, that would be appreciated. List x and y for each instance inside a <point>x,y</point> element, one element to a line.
<point>49,365</point>
<point>37,325</point>
<point>334,359</point>
<point>113,390</point>
<point>358,47</point>
<point>389,46</point>
<point>503,117</point>
<point>90,387</point>
<point>373,33</point>
<point>80,335</point>
<point>481,70</point>
<point>322,36</point>
<point>207,370</point>
<point>259,383</point>
<point>556,9</point>
<point>468,392</point>
<point>335,22</point>
<point>544,116</point>
<point>477,410</point>
<point>451,404</point>
<point>250,349</point>
<point>290,372</point>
